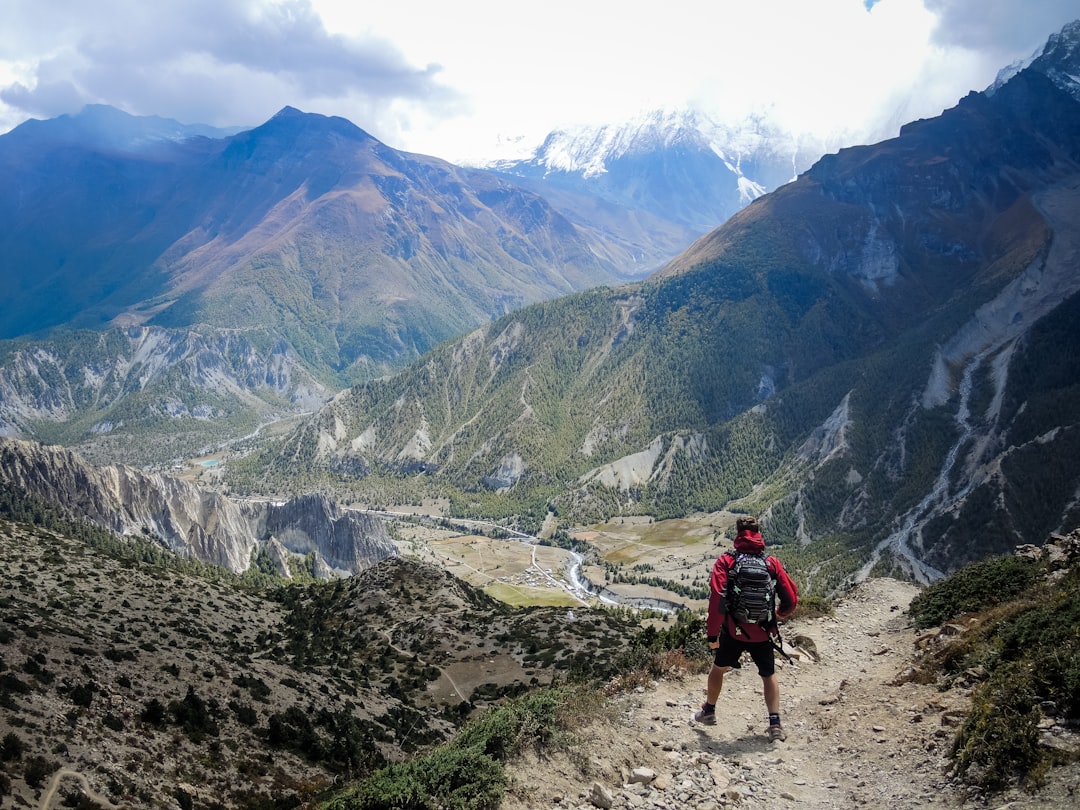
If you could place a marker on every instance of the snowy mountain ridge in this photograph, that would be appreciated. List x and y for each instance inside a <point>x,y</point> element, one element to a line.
<point>680,165</point>
<point>588,150</point>
<point>1059,49</point>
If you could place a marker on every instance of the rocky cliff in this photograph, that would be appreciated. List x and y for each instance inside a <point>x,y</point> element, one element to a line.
<point>195,522</point>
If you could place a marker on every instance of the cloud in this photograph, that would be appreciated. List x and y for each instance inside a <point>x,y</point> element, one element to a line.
<point>451,79</point>
<point>999,28</point>
<point>225,61</point>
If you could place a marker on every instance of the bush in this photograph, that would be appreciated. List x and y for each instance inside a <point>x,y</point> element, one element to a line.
<point>113,721</point>
<point>813,607</point>
<point>153,713</point>
<point>467,774</point>
<point>11,747</point>
<point>503,731</point>
<point>1030,647</point>
<point>195,716</point>
<point>36,769</point>
<point>999,741</point>
<point>83,694</point>
<point>452,778</point>
<point>975,587</point>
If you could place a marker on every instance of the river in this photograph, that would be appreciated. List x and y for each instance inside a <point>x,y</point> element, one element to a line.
<point>576,584</point>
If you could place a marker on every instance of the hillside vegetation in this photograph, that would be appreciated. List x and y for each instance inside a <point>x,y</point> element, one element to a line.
<point>1019,624</point>
<point>868,387</point>
<point>148,677</point>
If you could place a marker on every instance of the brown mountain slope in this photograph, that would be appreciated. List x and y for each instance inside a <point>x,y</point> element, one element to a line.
<point>159,687</point>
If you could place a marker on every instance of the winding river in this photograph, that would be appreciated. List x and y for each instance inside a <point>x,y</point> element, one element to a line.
<point>576,584</point>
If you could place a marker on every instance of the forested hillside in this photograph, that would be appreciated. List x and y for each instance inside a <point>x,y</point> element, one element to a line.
<point>847,356</point>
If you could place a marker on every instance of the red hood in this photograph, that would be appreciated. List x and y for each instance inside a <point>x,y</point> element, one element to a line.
<point>749,543</point>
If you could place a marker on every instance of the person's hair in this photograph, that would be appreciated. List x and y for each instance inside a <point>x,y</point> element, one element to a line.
<point>747,524</point>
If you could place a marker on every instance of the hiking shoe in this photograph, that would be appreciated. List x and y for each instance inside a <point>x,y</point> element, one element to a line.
<point>777,733</point>
<point>705,718</point>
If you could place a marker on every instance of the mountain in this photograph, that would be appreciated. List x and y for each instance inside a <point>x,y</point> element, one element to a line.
<point>104,128</point>
<point>192,522</point>
<point>1054,60</point>
<point>146,394</point>
<point>676,165</point>
<point>304,248</point>
<point>358,252</point>
<point>879,357</point>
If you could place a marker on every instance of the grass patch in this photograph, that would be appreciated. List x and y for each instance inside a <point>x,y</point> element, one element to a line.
<point>520,596</point>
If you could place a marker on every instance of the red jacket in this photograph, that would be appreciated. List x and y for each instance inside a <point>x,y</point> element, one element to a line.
<point>786,591</point>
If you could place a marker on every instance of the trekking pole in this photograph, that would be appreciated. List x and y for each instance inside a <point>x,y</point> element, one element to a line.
<point>778,645</point>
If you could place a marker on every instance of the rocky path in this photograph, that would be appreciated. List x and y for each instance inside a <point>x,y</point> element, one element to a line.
<point>854,738</point>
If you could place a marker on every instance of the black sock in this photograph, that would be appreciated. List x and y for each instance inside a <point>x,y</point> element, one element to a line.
<point>709,708</point>
<point>774,719</point>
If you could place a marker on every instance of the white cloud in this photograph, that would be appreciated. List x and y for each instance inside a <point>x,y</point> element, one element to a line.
<point>223,61</point>
<point>447,78</point>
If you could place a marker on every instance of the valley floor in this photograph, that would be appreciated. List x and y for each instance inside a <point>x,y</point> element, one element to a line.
<point>854,738</point>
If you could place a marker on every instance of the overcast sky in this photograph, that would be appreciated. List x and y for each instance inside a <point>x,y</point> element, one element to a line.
<point>451,78</point>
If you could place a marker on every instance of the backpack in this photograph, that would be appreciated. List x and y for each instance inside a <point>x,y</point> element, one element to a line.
<point>751,589</point>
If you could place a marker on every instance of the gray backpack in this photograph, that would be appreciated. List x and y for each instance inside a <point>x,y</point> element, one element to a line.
<point>751,589</point>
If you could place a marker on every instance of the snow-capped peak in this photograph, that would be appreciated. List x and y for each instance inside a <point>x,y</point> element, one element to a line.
<point>1058,59</point>
<point>586,150</point>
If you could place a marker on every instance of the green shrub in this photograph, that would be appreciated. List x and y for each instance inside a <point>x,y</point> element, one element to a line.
<point>195,716</point>
<point>453,778</point>
<point>154,713</point>
<point>466,774</point>
<point>813,607</point>
<point>11,747</point>
<point>975,587</point>
<point>504,730</point>
<point>35,770</point>
<point>999,741</point>
<point>1030,647</point>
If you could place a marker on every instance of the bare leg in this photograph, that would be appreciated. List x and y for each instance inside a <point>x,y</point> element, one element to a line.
<point>772,693</point>
<point>716,683</point>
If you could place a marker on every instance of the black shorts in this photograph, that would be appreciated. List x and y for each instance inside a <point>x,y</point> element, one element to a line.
<point>731,649</point>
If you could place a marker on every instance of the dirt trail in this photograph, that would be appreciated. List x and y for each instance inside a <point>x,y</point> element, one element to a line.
<point>68,773</point>
<point>854,738</point>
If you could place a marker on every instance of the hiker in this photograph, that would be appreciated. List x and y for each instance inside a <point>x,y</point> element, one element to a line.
<point>755,626</point>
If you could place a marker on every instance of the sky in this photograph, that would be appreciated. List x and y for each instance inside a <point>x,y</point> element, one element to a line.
<point>478,78</point>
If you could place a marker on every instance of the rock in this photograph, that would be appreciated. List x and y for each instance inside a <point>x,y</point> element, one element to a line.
<point>720,775</point>
<point>952,719</point>
<point>642,775</point>
<point>601,797</point>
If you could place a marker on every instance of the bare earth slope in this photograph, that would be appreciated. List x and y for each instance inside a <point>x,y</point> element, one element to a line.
<point>854,738</point>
